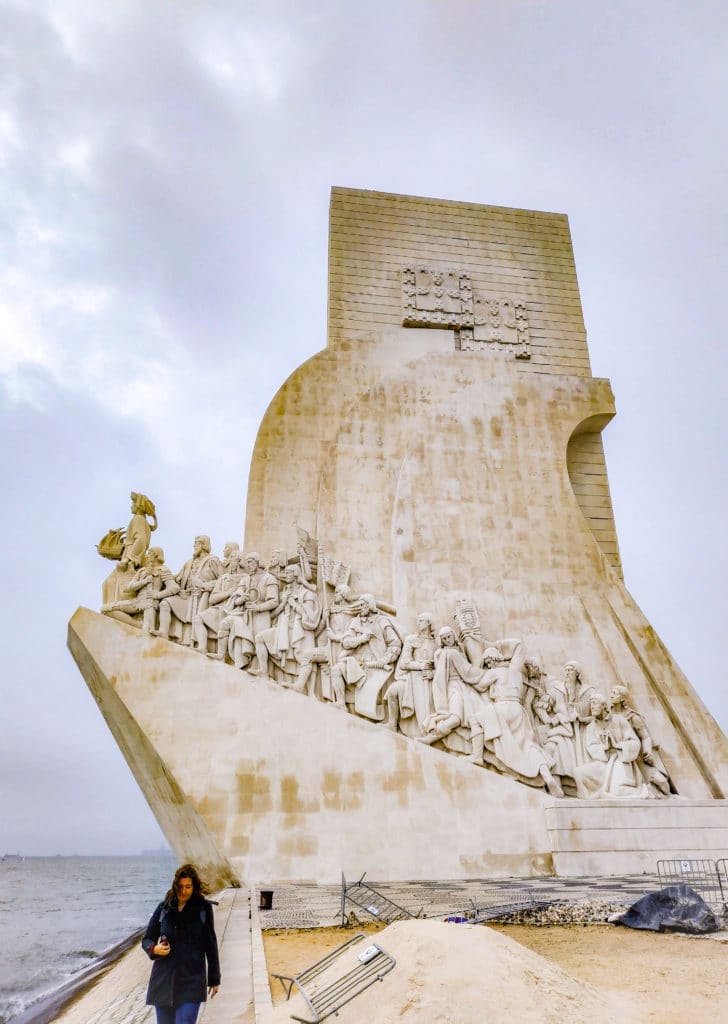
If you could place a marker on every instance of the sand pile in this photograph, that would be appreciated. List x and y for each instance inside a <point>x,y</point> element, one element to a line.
<point>465,974</point>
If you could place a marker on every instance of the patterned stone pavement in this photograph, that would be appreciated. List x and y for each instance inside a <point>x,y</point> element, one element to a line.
<point>314,906</point>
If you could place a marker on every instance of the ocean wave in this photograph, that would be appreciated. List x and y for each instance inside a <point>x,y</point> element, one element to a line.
<point>58,919</point>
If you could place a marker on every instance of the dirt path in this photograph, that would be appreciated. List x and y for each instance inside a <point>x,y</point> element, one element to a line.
<point>679,978</point>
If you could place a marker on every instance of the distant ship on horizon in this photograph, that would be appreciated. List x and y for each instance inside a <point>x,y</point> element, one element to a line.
<point>161,851</point>
<point>11,856</point>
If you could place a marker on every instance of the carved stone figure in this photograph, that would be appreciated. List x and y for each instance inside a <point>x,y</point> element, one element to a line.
<point>231,557</point>
<point>139,531</point>
<point>115,586</point>
<point>277,564</point>
<point>376,641</point>
<point>295,618</point>
<point>502,723</point>
<point>554,731</point>
<point>455,698</point>
<point>572,697</point>
<point>149,585</point>
<point>612,747</point>
<point>128,548</point>
<point>409,696</point>
<point>336,619</point>
<point>247,612</point>
<point>480,698</point>
<point>307,549</point>
<point>208,621</point>
<point>651,763</point>
<point>196,579</point>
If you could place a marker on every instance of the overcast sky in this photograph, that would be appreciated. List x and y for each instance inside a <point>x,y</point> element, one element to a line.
<point>164,184</point>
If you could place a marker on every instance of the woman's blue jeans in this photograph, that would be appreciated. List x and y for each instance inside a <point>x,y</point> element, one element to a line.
<point>184,1014</point>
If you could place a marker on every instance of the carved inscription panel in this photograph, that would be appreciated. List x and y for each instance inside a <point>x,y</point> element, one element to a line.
<point>433,297</point>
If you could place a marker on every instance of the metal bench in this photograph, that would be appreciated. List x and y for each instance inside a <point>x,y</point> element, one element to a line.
<point>326,997</point>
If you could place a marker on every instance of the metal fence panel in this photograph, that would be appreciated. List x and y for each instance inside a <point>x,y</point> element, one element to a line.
<point>701,875</point>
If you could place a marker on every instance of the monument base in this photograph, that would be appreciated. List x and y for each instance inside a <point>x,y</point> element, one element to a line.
<point>627,837</point>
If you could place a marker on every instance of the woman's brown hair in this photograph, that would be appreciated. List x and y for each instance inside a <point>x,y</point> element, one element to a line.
<point>187,871</point>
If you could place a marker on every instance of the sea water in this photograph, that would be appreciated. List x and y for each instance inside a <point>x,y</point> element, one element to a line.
<point>57,914</point>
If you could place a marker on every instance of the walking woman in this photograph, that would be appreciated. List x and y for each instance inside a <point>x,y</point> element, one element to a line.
<point>179,938</point>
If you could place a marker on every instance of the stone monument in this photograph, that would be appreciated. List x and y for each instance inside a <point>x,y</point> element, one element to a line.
<point>439,672</point>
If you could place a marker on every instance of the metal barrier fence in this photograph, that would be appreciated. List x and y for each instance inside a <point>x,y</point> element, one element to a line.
<point>489,906</point>
<point>704,876</point>
<point>325,997</point>
<point>373,902</point>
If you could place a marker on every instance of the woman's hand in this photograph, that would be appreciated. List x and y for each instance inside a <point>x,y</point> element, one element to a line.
<point>161,948</point>
<point>213,990</point>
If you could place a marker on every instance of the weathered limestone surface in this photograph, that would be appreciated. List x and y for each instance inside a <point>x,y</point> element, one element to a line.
<point>443,452</point>
<point>522,253</point>
<point>105,659</point>
<point>440,474</point>
<point>278,786</point>
<point>263,784</point>
<point>595,837</point>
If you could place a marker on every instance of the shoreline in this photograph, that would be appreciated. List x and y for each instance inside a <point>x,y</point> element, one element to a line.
<point>48,1006</point>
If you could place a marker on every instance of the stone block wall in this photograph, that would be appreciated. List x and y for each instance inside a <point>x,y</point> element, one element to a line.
<point>522,253</point>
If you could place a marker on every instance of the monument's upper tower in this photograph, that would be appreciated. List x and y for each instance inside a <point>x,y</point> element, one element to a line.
<point>501,273</point>
<point>411,276</point>
<point>493,278</point>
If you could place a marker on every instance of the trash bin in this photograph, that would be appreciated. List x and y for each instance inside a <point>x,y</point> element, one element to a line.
<point>266,899</point>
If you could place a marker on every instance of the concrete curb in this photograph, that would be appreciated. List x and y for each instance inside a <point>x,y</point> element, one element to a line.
<point>262,999</point>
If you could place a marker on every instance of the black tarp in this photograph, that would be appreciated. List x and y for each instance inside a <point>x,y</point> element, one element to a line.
<point>677,908</point>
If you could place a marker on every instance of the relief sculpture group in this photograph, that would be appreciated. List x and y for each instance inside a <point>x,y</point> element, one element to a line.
<point>296,621</point>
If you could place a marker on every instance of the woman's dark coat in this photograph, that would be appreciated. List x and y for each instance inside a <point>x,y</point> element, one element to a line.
<point>181,976</point>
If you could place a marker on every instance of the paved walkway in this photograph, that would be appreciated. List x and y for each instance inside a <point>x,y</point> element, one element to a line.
<point>234,1002</point>
<point>117,995</point>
